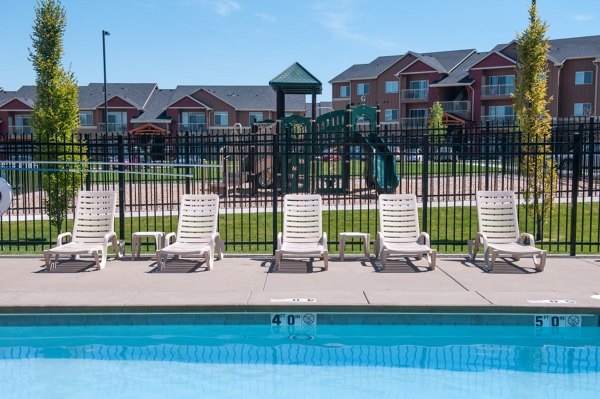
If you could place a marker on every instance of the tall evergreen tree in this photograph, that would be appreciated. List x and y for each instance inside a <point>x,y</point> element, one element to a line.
<point>533,117</point>
<point>55,117</point>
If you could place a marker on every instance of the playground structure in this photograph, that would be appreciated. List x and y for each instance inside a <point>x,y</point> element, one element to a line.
<point>316,157</point>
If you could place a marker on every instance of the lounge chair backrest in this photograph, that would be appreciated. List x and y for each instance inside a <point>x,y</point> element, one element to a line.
<point>399,217</point>
<point>198,217</point>
<point>302,218</point>
<point>94,216</point>
<point>497,216</point>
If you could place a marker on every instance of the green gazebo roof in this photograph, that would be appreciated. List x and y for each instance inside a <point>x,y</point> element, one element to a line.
<point>296,80</point>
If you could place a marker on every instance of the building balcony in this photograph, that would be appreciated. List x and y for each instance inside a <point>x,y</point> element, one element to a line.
<point>191,127</point>
<point>499,120</point>
<point>497,91</point>
<point>113,128</point>
<point>456,107</point>
<point>413,123</point>
<point>20,130</point>
<point>415,95</point>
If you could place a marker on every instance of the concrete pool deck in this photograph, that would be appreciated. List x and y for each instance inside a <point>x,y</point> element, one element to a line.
<point>246,284</point>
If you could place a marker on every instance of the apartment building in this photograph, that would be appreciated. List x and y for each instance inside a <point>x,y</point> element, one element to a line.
<point>143,108</point>
<point>472,87</point>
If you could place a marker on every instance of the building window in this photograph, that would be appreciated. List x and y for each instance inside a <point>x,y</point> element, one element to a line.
<point>391,115</point>
<point>22,125</point>
<point>583,78</point>
<point>582,109</point>
<point>363,89</point>
<point>344,91</point>
<point>256,117</point>
<point>417,90</point>
<point>192,122</point>
<point>221,119</point>
<point>391,87</point>
<point>501,114</point>
<point>502,80</point>
<point>86,118</point>
<point>117,122</point>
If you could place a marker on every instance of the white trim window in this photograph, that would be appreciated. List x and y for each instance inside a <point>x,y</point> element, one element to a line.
<point>363,89</point>
<point>86,118</point>
<point>391,86</point>
<point>582,109</point>
<point>255,117</point>
<point>344,91</point>
<point>391,115</point>
<point>193,122</point>
<point>221,118</point>
<point>583,77</point>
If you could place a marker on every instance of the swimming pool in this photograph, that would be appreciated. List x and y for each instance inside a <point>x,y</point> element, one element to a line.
<point>202,356</point>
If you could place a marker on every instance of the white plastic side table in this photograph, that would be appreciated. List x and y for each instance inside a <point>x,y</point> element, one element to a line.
<point>136,239</point>
<point>366,242</point>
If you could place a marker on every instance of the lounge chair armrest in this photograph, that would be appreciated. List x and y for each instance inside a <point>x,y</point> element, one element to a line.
<point>527,236</point>
<point>324,240</point>
<point>279,240</point>
<point>111,239</point>
<point>59,239</point>
<point>481,238</point>
<point>424,239</point>
<point>168,238</point>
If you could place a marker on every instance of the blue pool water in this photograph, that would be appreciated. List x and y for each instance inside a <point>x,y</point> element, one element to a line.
<point>328,361</point>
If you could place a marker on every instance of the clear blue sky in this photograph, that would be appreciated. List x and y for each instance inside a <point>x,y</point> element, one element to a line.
<point>244,42</point>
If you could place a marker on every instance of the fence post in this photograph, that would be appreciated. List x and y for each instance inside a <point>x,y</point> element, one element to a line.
<point>487,155</point>
<point>577,151</point>
<point>187,161</point>
<point>121,169</point>
<point>591,144</point>
<point>425,181</point>
<point>276,172</point>
<point>88,177</point>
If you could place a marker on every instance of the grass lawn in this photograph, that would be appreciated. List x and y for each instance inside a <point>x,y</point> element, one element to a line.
<point>450,228</point>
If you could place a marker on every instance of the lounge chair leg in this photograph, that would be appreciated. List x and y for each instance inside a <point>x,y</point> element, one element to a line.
<point>47,261</point>
<point>278,255</point>
<point>220,249</point>
<point>97,260</point>
<point>384,258</point>
<point>540,261</point>
<point>159,260</point>
<point>326,261</point>
<point>490,257</point>
<point>208,257</point>
<point>516,257</point>
<point>473,249</point>
<point>431,259</point>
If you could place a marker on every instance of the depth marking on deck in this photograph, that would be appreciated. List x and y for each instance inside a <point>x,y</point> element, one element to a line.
<point>313,300</point>
<point>552,301</point>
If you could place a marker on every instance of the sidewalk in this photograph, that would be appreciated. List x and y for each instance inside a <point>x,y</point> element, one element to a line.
<point>240,284</point>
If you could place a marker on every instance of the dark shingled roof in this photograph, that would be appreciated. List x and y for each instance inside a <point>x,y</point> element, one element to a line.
<point>460,75</point>
<point>92,95</point>
<point>367,71</point>
<point>444,61</point>
<point>564,49</point>
<point>26,94</point>
<point>296,79</point>
<point>155,108</point>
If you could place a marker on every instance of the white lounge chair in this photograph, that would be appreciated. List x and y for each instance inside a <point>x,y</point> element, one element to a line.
<point>302,234</point>
<point>498,232</point>
<point>399,232</point>
<point>93,230</point>
<point>196,231</point>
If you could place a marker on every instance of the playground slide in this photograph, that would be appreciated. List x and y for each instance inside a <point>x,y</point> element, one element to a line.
<point>382,168</point>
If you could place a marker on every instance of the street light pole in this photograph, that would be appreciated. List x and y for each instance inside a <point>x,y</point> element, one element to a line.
<point>104,34</point>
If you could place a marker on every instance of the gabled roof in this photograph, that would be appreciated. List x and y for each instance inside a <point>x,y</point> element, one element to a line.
<point>137,94</point>
<point>569,48</point>
<point>460,75</point>
<point>367,71</point>
<point>296,79</point>
<point>25,95</point>
<point>155,108</point>
<point>442,61</point>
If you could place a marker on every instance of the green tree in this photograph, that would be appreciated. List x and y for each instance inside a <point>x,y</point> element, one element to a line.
<point>55,117</point>
<point>534,120</point>
<point>435,123</point>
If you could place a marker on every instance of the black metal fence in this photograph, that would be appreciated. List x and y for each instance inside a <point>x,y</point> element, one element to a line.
<point>349,165</point>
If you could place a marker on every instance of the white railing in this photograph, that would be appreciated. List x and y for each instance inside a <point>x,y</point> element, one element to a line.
<point>456,106</point>
<point>413,123</point>
<point>415,94</point>
<point>20,130</point>
<point>113,127</point>
<point>192,127</point>
<point>498,120</point>
<point>497,90</point>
